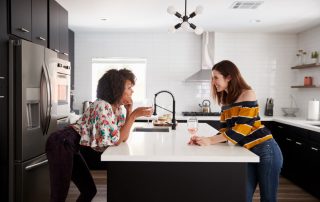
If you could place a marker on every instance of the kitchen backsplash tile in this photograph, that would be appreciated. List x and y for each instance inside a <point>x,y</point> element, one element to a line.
<point>264,60</point>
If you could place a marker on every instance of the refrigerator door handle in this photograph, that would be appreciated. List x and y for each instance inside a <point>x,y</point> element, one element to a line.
<point>33,166</point>
<point>48,83</point>
<point>44,108</point>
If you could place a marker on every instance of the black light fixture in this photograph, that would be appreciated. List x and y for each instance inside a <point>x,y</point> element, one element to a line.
<point>185,24</point>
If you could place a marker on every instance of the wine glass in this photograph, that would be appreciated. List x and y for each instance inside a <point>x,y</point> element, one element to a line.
<point>148,103</point>
<point>192,123</point>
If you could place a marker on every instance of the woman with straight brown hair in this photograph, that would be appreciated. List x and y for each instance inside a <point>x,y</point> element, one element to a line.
<point>241,125</point>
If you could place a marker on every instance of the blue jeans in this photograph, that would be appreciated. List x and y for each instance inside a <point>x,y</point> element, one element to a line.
<point>266,172</point>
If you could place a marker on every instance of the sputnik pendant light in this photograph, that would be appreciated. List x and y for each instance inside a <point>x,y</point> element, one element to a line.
<point>185,24</point>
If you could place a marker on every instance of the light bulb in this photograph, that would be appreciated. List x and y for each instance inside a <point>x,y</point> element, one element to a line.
<point>171,10</point>
<point>198,30</point>
<point>172,29</point>
<point>185,25</point>
<point>199,10</point>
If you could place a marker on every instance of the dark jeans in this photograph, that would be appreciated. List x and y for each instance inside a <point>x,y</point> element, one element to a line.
<point>266,172</point>
<point>66,164</point>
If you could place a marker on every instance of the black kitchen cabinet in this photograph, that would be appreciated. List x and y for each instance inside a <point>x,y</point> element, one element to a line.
<point>301,155</point>
<point>40,22</point>
<point>54,26</point>
<point>63,33</point>
<point>313,164</point>
<point>21,18</point>
<point>58,29</point>
<point>29,19</point>
<point>4,160</point>
<point>214,124</point>
<point>71,56</point>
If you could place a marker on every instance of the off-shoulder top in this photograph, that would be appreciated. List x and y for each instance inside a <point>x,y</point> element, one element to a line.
<point>241,124</point>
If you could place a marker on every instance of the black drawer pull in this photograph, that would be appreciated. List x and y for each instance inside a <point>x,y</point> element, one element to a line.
<point>66,54</point>
<point>298,143</point>
<point>314,149</point>
<point>288,139</point>
<point>24,29</point>
<point>280,126</point>
<point>1,77</point>
<point>56,50</point>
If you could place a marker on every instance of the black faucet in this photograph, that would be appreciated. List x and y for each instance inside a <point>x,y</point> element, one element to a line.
<point>174,124</point>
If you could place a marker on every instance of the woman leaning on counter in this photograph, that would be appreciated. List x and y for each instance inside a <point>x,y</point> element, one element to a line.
<point>241,125</point>
<point>103,124</point>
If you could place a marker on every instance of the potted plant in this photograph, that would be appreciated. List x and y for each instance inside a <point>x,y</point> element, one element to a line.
<point>315,57</point>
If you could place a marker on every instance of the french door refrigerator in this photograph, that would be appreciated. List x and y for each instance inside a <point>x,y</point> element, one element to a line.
<point>31,119</point>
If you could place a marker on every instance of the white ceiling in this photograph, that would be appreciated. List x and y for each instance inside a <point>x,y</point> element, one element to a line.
<point>284,16</point>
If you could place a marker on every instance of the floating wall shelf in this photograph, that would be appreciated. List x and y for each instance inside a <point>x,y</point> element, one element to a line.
<point>313,65</point>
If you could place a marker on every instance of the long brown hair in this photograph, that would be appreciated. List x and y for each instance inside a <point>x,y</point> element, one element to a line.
<point>235,86</point>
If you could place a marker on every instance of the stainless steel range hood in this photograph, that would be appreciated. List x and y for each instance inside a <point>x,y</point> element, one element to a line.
<point>204,74</point>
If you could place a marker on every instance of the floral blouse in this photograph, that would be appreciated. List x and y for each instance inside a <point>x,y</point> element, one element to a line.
<point>99,126</point>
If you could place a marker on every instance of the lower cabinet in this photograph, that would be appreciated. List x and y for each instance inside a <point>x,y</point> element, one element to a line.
<point>301,155</point>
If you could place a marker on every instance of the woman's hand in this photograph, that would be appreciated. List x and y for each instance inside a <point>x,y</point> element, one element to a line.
<point>143,111</point>
<point>201,141</point>
<point>128,105</point>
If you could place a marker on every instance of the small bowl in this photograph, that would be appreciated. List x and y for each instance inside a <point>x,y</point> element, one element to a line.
<point>289,111</point>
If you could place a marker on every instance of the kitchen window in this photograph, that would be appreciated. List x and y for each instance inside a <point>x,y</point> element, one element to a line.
<point>136,65</point>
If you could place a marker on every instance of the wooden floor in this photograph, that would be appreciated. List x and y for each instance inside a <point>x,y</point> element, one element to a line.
<point>288,192</point>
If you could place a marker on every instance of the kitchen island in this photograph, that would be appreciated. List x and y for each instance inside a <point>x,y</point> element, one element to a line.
<point>161,166</point>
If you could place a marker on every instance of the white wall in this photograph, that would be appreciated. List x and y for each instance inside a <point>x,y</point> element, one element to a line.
<point>309,41</point>
<point>264,60</point>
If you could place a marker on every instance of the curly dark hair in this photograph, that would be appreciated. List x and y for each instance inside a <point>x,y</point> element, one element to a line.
<point>112,84</point>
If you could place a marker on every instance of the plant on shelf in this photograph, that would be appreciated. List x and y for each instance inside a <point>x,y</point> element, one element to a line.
<point>315,57</point>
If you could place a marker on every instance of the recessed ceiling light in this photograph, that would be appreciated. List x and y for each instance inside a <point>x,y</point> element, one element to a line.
<point>103,19</point>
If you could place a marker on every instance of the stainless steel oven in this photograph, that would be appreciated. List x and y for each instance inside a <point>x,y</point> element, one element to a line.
<point>61,86</point>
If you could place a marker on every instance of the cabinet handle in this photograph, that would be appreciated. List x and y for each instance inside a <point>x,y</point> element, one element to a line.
<point>41,38</point>
<point>1,77</point>
<point>1,96</point>
<point>314,149</point>
<point>280,126</point>
<point>56,50</point>
<point>298,143</point>
<point>288,139</point>
<point>66,54</point>
<point>24,29</point>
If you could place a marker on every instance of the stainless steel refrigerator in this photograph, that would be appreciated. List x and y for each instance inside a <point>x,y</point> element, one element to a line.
<point>32,117</point>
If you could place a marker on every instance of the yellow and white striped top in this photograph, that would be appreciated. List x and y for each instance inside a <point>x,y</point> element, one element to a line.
<point>240,124</point>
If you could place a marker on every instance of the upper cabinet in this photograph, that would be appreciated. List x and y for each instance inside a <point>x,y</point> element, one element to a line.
<point>21,18</point>
<point>29,20</point>
<point>40,22</point>
<point>58,29</point>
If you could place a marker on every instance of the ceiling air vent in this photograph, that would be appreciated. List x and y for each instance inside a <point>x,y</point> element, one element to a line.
<point>246,4</point>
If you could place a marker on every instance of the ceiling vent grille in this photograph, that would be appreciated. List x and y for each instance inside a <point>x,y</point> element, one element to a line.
<point>246,4</point>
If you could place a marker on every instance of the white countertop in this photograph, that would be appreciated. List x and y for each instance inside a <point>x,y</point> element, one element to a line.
<point>172,147</point>
<point>294,121</point>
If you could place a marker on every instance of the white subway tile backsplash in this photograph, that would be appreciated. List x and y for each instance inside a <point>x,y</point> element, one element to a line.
<point>263,59</point>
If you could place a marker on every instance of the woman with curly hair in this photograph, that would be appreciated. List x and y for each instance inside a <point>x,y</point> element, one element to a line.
<point>106,122</point>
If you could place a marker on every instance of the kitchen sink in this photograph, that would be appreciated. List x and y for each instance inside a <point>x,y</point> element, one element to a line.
<point>142,129</point>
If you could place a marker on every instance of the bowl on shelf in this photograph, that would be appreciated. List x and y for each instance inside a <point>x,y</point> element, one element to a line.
<point>290,111</point>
